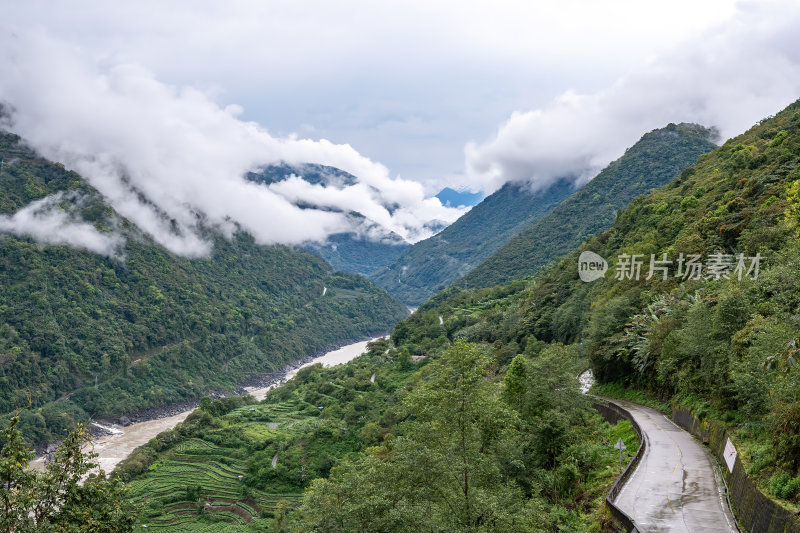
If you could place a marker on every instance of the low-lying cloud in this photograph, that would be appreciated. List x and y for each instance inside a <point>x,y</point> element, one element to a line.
<point>729,78</point>
<point>170,159</point>
<point>46,223</point>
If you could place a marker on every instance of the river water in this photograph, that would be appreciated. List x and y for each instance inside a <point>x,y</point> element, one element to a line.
<point>332,358</point>
<point>112,449</point>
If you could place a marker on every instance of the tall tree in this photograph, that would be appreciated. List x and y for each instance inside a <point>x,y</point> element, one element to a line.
<point>63,498</point>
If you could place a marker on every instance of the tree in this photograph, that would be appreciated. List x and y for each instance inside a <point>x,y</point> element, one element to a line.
<point>444,470</point>
<point>515,381</point>
<point>62,498</point>
<point>458,421</point>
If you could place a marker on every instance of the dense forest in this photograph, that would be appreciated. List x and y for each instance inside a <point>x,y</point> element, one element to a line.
<point>69,494</point>
<point>712,324</point>
<point>434,263</point>
<point>656,159</point>
<point>84,334</point>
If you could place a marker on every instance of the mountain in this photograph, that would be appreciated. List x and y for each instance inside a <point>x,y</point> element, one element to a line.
<point>451,197</point>
<point>438,261</point>
<point>656,159</point>
<point>714,329</point>
<point>475,400</point>
<point>357,254</point>
<point>81,333</point>
<point>348,252</point>
<point>311,172</point>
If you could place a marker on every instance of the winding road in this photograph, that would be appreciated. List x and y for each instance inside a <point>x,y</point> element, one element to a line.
<point>676,486</point>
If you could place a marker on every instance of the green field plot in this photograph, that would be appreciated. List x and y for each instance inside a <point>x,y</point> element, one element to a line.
<point>198,486</point>
<point>344,294</point>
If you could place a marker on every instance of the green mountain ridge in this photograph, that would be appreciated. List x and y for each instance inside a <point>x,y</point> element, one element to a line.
<point>723,344</point>
<point>429,265</point>
<point>82,334</point>
<point>657,158</point>
<point>469,419</point>
<point>356,254</point>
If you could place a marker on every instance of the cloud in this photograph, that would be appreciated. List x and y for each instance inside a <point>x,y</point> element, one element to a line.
<point>406,83</point>
<point>47,224</point>
<point>171,160</point>
<point>729,78</point>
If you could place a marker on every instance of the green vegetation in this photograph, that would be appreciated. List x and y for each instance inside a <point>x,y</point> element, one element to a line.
<point>425,432</point>
<point>642,397</point>
<point>435,263</point>
<point>470,418</point>
<point>57,499</point>
<point>655,160</point>
<point>198,481</point>
<point>84,334</point>
<point>350,253</point>
<point>726,348</point>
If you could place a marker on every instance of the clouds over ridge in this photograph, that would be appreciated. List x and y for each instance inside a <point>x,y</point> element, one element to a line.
<point>132,136</point>
<point>729,78</point>
<point>45,222</point>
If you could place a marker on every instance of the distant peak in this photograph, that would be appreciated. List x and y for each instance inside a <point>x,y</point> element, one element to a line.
<point>453,198</point>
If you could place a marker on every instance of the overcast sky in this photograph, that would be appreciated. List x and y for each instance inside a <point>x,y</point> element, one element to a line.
<point>467,93</point>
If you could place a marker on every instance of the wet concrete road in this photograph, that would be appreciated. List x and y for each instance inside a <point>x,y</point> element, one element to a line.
<point>676,486</point>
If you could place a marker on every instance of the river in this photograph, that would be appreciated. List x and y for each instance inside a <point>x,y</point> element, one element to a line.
<point>112,449</point>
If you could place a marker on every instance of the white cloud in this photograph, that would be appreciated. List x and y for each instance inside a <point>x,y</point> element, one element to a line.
<point>729,78</point>
<point>47,224</point>
<point>132,136</point>
<point>406,83</point>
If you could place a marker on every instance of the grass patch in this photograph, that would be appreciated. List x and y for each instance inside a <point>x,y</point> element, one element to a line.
<point>619,392</point>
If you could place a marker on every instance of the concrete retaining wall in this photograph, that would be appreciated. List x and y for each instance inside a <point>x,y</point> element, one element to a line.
<point>613,414</point>
<point>754,511</point>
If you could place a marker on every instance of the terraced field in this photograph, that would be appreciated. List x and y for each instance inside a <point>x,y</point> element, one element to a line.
<point>197,486</point>
<point>235,466</point>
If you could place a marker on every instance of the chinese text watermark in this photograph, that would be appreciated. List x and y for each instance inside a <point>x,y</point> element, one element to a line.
<point>716,266</point>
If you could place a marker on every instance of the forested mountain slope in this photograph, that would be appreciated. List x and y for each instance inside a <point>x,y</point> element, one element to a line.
<point>438,261</point>
<point>81,333</point>
<point>656,159</point>
<point>715,327</point>
<point>389,442</point>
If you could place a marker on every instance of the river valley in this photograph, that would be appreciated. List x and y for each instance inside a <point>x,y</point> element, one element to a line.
<point>120,441</point>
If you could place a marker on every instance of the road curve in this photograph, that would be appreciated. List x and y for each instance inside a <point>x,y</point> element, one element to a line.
<point>676,486</point>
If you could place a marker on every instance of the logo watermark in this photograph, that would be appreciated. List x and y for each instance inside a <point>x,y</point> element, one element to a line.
<point>592,266</point>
